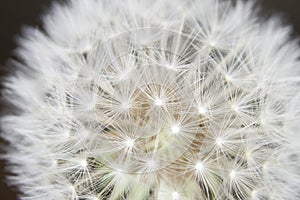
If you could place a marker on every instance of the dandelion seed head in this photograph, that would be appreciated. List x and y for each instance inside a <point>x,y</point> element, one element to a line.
<point>150,99</point>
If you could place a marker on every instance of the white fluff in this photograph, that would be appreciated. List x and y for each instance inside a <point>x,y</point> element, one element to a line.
<point>140,99</point>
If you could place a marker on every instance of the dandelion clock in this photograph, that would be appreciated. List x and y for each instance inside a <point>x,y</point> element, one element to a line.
<point>154,100</point>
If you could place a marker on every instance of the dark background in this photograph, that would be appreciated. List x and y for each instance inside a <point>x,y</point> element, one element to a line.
<point>15,13</point>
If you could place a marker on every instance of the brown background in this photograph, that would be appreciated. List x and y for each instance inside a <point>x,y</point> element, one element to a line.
<point>15,13</point>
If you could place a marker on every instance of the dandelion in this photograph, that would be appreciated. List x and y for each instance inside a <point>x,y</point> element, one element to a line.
<point>140,99</point>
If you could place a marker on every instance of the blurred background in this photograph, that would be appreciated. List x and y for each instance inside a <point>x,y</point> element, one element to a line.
<point>16,13</point>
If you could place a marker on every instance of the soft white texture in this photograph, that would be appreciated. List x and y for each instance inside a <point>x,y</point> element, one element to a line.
<point>140,99</point>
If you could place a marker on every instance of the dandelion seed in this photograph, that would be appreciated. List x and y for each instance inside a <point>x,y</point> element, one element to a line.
<point>175,196</point>
<point>202,110</point>
<point>248,154</point>
<point>83,163</point>
<point>235,107</point>
<point>254,194</point>
<point>228,78</point>
<point>151,164</point>
<point>129,143</point>
<point>199,166</point>
<point>125,105</point>
<point>175,129</point>
<point>232,174</point>
<point>219,141</point>
<point>159,102</point>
